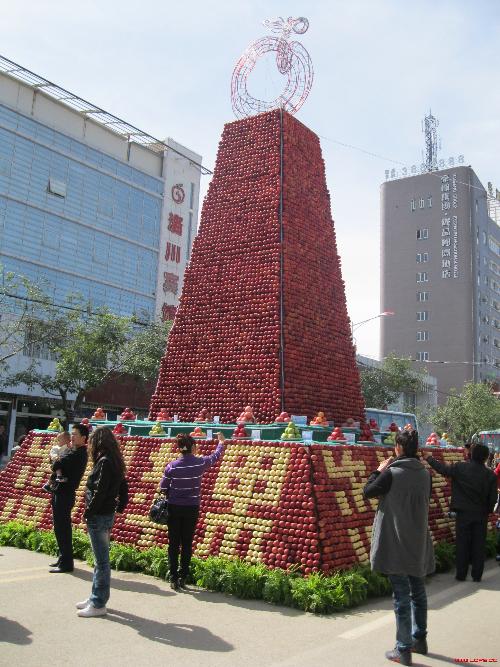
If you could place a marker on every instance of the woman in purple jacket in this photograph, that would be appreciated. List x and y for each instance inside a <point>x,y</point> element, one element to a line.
<point>181,482</point>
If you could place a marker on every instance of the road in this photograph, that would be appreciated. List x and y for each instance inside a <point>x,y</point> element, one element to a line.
<point>148,624</point>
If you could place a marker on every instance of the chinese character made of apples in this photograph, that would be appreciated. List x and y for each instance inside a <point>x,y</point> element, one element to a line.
<point>245,501</point>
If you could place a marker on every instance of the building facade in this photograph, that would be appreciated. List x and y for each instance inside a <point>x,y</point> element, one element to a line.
<point>91,205</point>
<point>440,274</point>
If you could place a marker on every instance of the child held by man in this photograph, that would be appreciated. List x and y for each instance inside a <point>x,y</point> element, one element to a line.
<point>57,451</point>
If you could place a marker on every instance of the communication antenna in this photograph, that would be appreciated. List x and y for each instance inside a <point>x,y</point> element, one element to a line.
<point>429,128</point>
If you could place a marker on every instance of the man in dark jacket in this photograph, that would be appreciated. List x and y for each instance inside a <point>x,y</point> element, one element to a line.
<point>73,466</point>
<point>473,496</point>
<point>401,542</point>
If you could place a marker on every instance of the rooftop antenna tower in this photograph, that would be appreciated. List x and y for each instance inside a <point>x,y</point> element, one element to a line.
<point>429,128</point>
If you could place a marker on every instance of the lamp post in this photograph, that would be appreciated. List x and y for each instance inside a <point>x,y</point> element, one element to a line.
<point>356,325</point>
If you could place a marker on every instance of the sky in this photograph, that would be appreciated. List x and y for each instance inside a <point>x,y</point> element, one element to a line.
<point>379,66</point>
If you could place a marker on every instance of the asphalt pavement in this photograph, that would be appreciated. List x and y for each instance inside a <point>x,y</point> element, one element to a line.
<point>148,624</point>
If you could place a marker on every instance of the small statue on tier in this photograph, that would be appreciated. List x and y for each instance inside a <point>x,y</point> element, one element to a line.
<point>336,435</point>
<point>366,434</point>
<point>99,415</point>
<point>291,432</point>
<point>127,415</point>
<point>157,430</point>
<point>55,425</point>
<point>319,420</point>
<point>240,433</point>
<point>246,416</point>
<point>163,415</point>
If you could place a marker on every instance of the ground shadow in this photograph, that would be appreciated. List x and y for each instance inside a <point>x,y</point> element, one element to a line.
<point>12,632</point>
<point>171,634</point>
<point>126,584</point>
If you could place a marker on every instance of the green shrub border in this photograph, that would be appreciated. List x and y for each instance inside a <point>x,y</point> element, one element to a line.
<point>316,592</point>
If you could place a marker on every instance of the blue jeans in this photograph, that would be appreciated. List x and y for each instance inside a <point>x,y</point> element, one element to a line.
<point>410,607</point>
<point>99,527</point>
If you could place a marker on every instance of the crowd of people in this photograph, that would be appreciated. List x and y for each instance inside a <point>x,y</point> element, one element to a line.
<point>106,493</point>
<point>401,545</point>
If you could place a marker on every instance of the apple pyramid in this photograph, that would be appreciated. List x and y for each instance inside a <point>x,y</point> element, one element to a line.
<point>262,319</point>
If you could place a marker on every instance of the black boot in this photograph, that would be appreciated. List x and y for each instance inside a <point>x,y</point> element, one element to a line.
<point>403,657</point>
<point>420,646</point>
<point>174,584</point>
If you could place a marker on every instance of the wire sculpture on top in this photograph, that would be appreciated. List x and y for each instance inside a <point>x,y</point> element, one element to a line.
<point>292,61</point>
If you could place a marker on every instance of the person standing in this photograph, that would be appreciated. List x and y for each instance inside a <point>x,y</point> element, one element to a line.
<point>181,482</point>
<point>106,493</point>
<point>473,496</point>
<point>72,467</point>
<point>401,544</point>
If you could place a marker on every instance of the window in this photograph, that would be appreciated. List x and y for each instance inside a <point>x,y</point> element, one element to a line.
<point>412,205</point>
<point>429,202</point>
<point>56,187</point>
<point>422,336</point>
<point>422,257</point>
<point>422,296</point>
<point>421,203</point>
<point>422,356</point>
<point>422,315</point>
<point>422,234</point>
<point>485,238</point>
<point>422,277</point>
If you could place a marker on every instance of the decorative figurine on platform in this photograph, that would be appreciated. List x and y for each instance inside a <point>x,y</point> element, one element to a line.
<point>204,416</point>
<point>291,432</point>
<point>120,429</point>
<point>163,416</point>
<point>373,425</point>
<point>55,425</point>
<point>390,439</point>
<point>283,417</point>
<point>393,427</point>
<point>240,433</point>
<point>198,433</point>
<point>99,415</point>
<point>127,415</point>
<point>336,435</point>
<point>432,440</point>
<point>366,434</point>
<point>246,416</point>
<point>319,420</point>
<point>158,430</point>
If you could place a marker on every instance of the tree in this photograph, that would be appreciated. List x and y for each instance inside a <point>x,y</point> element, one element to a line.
<point>23,304</point>
<point>90,347</point>
<point>382,385</point>
<point>475,409</point>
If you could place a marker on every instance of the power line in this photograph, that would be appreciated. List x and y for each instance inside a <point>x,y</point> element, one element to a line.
<point>86,311</point>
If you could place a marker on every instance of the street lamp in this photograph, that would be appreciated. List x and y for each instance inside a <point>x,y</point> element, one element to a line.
<point>386,313</point>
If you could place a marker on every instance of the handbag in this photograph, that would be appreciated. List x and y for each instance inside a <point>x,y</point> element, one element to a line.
<point>159,510</point>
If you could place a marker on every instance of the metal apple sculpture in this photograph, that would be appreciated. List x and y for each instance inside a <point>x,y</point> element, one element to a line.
<point>292,61</point>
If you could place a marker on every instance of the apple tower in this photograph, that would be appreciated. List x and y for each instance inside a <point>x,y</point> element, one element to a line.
<point>262,319</point>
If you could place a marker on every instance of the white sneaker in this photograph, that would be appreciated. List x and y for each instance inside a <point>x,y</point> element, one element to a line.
<point>82,605</point>
<point>91,611</point>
